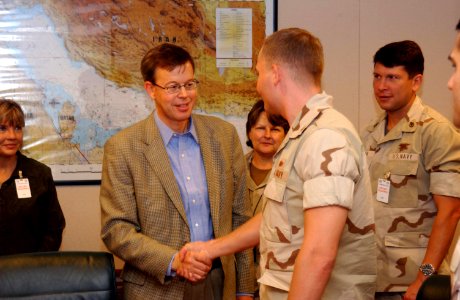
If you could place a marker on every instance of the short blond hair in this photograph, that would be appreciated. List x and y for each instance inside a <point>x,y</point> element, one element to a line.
<point>11,113</point>
<point>297,48</point>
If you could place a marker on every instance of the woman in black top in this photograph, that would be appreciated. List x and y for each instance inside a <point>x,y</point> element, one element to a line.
<point>31,219</point>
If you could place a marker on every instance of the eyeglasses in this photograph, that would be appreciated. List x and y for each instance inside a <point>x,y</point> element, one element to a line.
<point>175,88</point>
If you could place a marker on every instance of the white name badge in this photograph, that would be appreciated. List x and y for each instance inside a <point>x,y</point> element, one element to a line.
<point>383,190</point>
<point>23,188</point>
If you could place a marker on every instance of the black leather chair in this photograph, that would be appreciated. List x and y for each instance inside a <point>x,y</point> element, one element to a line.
<point>58,275</point>
<point>436,287</point>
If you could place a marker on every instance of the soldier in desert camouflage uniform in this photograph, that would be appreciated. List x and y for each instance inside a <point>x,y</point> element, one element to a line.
<point>316,228</point>
<point>321,165</point>
<point>414,160</point>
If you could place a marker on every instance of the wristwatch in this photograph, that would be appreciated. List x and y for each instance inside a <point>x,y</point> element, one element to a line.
<point>427,269</point>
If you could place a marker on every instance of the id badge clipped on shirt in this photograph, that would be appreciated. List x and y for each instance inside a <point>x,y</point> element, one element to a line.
<point>23,188</point>
<point>383,188</point>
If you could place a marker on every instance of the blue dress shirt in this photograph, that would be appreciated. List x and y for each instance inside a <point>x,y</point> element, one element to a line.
<point>187,163</point>
<point>185,158</point>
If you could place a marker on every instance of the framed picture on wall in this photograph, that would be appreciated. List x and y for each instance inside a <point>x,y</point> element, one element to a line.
<point>74,68</point>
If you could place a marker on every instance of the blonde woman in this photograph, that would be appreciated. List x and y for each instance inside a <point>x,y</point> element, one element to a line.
<point>31,219</point>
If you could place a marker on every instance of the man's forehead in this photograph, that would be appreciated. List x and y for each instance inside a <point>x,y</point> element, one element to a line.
<point>380,68</point>
<point>456,49</point>
<point>454,56</point>
<point>170,71</point>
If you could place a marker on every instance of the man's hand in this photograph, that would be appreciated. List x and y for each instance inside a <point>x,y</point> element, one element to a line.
<point>194,247</point>
<point>412,290</point>
<point>193,265</point>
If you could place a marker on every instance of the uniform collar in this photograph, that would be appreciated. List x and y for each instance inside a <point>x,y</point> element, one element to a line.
<point>312,109</point>
<point>407,124</point>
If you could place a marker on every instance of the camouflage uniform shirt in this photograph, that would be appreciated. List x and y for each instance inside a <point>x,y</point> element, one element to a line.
<point>419,157</point>
<point>255,195</point>
<point>321,162</point>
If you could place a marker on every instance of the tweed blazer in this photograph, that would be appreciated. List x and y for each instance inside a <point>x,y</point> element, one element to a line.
<point>142,214</point>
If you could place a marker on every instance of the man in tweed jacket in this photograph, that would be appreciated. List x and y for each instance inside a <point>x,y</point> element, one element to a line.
<point>171,179</point>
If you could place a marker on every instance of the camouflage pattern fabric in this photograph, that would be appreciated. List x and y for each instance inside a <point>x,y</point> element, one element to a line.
<point>420,156</point>
<point>322,162</point>
<point>255,195</point>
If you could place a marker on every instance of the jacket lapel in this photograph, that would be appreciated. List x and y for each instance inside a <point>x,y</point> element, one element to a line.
<point>211,166</point>
<point>156,155</point>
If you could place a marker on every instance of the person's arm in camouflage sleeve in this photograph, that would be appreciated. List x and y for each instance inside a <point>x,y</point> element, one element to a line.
<point>441,237</point>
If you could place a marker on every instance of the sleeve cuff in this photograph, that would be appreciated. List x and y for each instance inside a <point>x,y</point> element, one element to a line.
<point>170,272</point>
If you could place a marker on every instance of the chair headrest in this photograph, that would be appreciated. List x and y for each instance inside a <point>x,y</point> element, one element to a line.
<point>50,273</point>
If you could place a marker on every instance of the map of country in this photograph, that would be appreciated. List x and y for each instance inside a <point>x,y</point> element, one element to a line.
<point>74,68</point>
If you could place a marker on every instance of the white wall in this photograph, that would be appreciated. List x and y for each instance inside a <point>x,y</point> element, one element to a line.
<point>80,205</point>
<point>351,31</point>
<point>83,219</point>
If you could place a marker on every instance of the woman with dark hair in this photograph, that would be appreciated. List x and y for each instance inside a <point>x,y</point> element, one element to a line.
<point>31,219</point>
<point>265,133</point>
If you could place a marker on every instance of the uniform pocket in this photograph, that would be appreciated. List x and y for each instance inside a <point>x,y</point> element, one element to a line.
<point>276,222</point>
<point>407,240</point>
<point>404,190</point>
<point>281,254</point>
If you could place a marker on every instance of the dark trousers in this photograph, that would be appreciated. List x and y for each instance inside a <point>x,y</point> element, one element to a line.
<point>211,288</point>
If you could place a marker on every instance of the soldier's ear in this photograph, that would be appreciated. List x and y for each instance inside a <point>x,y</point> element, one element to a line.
<point>276,73</point>
<point>417,81</point>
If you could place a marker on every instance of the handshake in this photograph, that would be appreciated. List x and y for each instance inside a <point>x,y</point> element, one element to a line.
<point>194,261</point>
